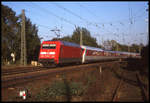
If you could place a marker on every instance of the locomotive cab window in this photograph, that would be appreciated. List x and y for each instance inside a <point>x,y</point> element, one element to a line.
<point>49,46</point>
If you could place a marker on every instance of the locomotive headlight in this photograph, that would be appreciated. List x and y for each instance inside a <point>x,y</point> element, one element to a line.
<point>43,53</point>
<point>51,52</point>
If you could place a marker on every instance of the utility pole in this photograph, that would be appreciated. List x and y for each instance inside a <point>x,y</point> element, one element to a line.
<point>81,37</point>
<point>128,48</point>
<point>139,49</point>
<point>117,47</point>
<point>23,41</point>
<point>102,42</point>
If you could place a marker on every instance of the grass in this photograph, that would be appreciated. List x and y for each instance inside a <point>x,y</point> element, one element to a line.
<point>61,89</point>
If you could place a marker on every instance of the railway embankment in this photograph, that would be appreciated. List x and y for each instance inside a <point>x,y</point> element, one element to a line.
<point>115,81</point>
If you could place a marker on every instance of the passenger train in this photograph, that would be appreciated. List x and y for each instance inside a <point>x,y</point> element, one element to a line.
<point>61,52</point>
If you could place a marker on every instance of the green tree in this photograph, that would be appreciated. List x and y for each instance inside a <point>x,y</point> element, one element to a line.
<point>11,36</point>
<point>32,41</point>
<point>87,38</point>
<point>111,45</point>
<point>9,32</point>
<point>123,47</point>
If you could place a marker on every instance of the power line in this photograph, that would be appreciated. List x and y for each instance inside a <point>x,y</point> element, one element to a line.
<point>74,15</point>
<point>88,10</point>
<point>69,11</point>
<point>138,11</point>
<point>61,18</point>
<point>45,26</point>
<point>95,15</point>
<point>60,6</point>
<point>118,21</point>
<point>49,28</point>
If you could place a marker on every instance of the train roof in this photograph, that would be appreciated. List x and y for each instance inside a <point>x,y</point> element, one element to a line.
<point>123,52</point>
<point>110,51</point>
<point>70,44</point>
<point>92,48</point>
<point>66,43</point>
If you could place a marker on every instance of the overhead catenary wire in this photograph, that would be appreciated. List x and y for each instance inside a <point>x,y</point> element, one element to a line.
<point>88,10</point>
<point>52,14</point>
<point>69,11</point>
<point>77,15</point>
<point>138,11</point>
<point>101,23</point>
<point>95,24</point>
<point>93,14</point>
<point>119,21</point>
<point>61,18</point>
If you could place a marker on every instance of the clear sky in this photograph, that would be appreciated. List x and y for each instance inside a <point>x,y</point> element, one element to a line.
<point>125,22</point>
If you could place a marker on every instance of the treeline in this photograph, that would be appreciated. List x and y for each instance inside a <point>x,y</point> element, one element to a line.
<point>11,36</point>
<point>115,46</point>
<point>88,40</point>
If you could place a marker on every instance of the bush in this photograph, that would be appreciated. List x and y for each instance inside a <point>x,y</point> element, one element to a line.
<point>60,88</point>
<point>63,88</point>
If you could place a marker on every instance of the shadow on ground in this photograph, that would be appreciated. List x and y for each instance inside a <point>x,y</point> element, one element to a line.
<point>133,65</point>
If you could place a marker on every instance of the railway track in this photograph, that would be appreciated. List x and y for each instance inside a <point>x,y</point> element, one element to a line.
<point>121,83</point>
<point>143,89</point>
<point>19,70</point>
<point>115,94</point>
<point>19,78</point>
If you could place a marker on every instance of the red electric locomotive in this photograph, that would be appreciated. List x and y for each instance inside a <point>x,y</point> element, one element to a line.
<point>59,52</point>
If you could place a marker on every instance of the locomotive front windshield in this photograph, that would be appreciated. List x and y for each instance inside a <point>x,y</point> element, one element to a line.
<point>49,46</point>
